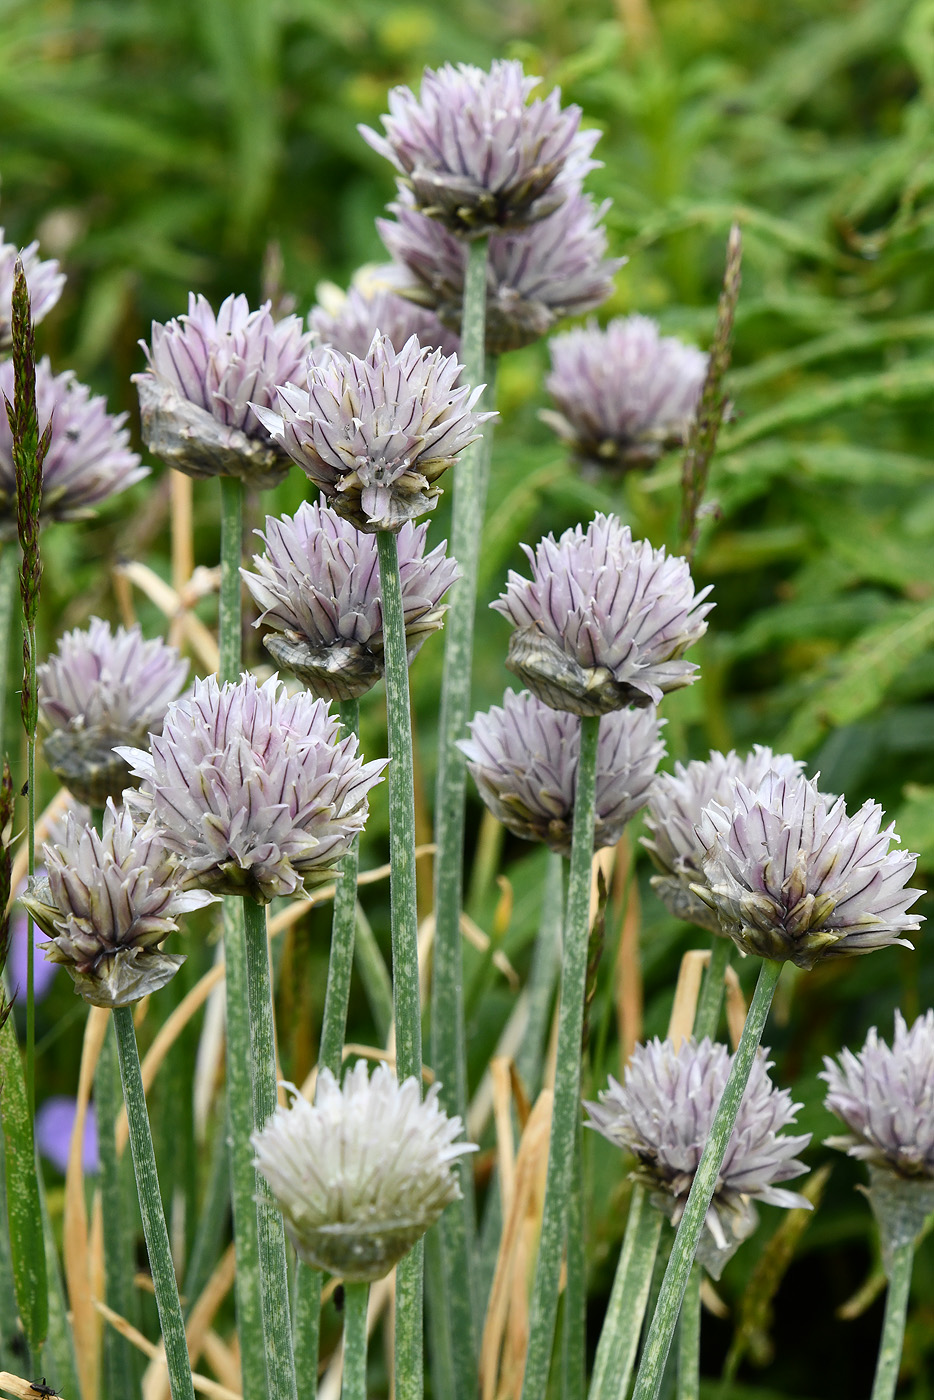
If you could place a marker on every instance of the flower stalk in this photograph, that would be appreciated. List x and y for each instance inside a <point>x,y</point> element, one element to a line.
<point>353,1386</point>
<point>230,601</point>
<point>689,1338</point>
<point>893,1326</point>
<point>622,1326</point>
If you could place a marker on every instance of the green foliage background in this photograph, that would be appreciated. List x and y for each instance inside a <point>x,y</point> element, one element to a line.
<point>158,147</point>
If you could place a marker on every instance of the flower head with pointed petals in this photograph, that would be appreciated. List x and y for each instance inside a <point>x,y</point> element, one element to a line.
<point>88,460</point>
<point>662,1113</point>
<point>625,394</point>
<point>350,325</point>
<point>100,689</point>
<point>524,758</point>
<point>43,279</point>
<point>362,1173</point>
<point>205,372</point>
<point>793,878</point>
<point>885,1098</point>
<point>318,585</point>
<point>252,789</point>
<point>107,903</point>
<point>476,154</point>
<point>675,804</point>
<point>375,434</point>
<point>604,620</point>
<point>535,276</point>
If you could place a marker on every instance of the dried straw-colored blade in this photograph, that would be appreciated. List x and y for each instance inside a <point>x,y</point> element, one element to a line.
<point>628,968</point>
<point>182,534</point>
<point>203,1384</point>
<point>502,1116</point>
<point>476,937</point>
<point>687,992</point>
<point>17,1386</point>
<point>530,1161</point>
<point>223,1360</point>
<point>735,1007</point>
<point>86,1328</point>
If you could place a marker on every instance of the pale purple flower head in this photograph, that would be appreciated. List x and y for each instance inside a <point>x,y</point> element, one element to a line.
<point>253,790</point>
<point>793,878</point>
<point>885,1098</point>
<point>663,1113</point>
<point>625,394</point>
<point>362,1173</point>
<point>43,279</point>
<point>88,458</point>
<point>319,587</point>
<point>374,434</point>
<point>107,903</point>
<point>103,688</point>
<point>535,276</point>
<point>676,801</point>
<point>205,373</point>
<point>365,312</point>
<point>524,758</point>
<point>478,156</point>
<point>604,620</point>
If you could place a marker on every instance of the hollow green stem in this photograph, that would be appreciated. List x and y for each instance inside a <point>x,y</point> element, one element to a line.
<point>230,595</point>
<point>270,1229</point>
<point>707,1015</point>
<point>573,1338</point>
<point>893,1326</point>
<point>566,1113</point>
<point>306,1328</point>
<point>689,1339</point>
<point>622,1326</point>
<point>447,1000</point>
<point>118,1278</point>
<point>353,1386</point>
<point>675,1281</point>
<point>150,1204</point>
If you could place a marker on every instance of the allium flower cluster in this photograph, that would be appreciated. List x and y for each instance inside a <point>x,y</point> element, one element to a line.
<point>205,372</point>
<point>43,279</point>
<point>108,902</point>
<point>319,587</point>
<point>535,276</point>
<point>675,804</point>
<point>101,689</point>
<point>663,1114</point>
<point>374,434</point>
<point>792,877</point>
<point>254,791</point>
<point>885,1098</point>
<point>362,1174</point>
<point>350,326</point>
<point>524,758</point>
<point>476,154</point>
<point>625,394</point>
<point>604,620</point>
<point>88,458</point>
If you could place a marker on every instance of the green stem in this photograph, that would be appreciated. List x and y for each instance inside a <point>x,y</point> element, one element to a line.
<point>118,1282</point>
<point>306,1327</point>
<point>9,561</point>
<point>675,1281</point>
<point>448,1055</point>
<point>689,1339</point>
<point>270,1228</point>
<point>573,1339</point>
<point>374,975</point>
<point>707,1015</point>
<point>353,1386</point>
<point>404,924</point>
<point>622,1326</point>
<point>893,1326</point>
<point>242,1172</point>
<point>230,595</point>
<point>150,1203</point>
<point>566,1113</point>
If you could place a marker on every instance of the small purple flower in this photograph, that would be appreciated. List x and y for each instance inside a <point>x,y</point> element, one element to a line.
<point>374,434</point>
<point>43,279</point>
<point>205,372</point>
<point>535,276</point>
<point>476,154</point>
<point>625,394</point>
<point>363,313</point>
<point>885,1098</point>
<point>663,1113</point>
<point>55,1120</point>
<point>676,801</point>
<point>100,689</point>
<point>253,790</point>
<point>88,458</point>
<point>524,759</point>
<point>604,621</point>
<point>792,877</point>
<point>107,903</point>
<point>318,585</point>
<point>362,1173</point>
